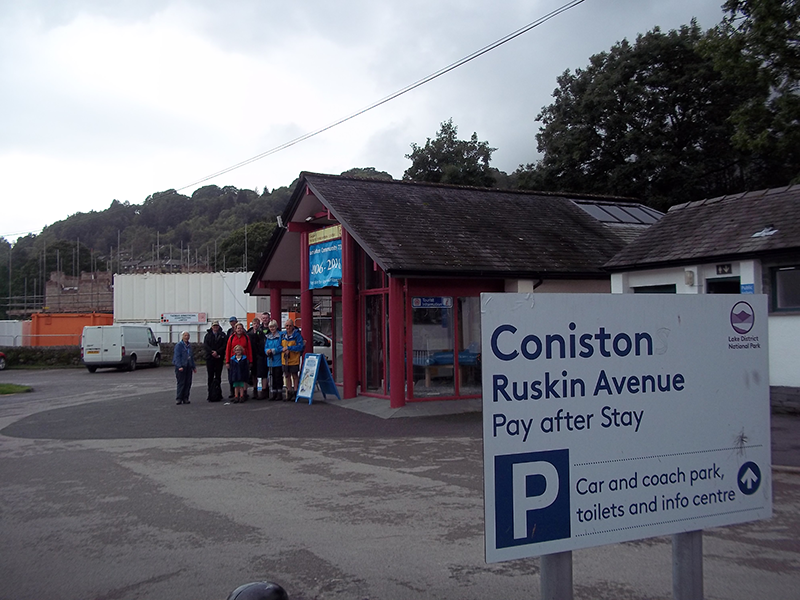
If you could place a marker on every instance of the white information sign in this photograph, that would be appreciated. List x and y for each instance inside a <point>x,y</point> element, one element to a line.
<point>184,318</point>
<point>609,418</point>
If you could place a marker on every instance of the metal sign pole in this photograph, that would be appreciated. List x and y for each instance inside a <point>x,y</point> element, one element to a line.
<point>687,566</point>
<point>556,576</point>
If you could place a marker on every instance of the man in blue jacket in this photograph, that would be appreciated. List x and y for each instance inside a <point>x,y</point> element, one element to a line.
<point>183,360</point>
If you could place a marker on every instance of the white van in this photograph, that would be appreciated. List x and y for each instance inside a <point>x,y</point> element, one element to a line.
<point>121,346</point>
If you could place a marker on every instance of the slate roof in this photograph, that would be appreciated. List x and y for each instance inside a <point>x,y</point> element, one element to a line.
<point>742,225</point>
<point>428,229</point>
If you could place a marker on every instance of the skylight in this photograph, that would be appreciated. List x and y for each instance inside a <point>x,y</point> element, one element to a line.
<point>608,212</point>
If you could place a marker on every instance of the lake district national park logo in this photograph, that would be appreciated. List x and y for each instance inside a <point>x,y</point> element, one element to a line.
<point>742,317</point>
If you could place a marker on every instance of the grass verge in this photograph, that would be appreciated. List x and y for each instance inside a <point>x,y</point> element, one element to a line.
<point>13,388</point>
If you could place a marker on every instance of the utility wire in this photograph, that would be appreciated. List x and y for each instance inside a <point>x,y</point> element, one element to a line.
<point>396,94</point>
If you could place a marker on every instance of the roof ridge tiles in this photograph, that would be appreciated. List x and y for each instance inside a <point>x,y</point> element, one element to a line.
<point>521,192</point>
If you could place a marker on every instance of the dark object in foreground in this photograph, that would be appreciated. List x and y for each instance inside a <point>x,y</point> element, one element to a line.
<point>259,590</point>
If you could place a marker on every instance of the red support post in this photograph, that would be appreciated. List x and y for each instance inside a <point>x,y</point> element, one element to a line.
<point>397,344</point>
<point>306,297</point>
<point>275,305</point>
<point>349,317</point>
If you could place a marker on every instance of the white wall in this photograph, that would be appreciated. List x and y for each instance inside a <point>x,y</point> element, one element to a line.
<point>784,350</point>
<point>142,298</point>
<point>783,330</point>
<point>556,286</point>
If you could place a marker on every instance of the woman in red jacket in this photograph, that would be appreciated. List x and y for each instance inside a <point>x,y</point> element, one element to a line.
<point>239,338</point>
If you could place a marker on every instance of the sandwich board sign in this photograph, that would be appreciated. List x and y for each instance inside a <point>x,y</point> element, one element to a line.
<point>315,371</point>
<point>609,418</point>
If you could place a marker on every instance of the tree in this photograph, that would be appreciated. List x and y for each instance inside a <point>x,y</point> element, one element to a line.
<point>447,159</point>
<point>647,120</point>
<point>757,44</point>
<point>232,247</point>
<point>368,173</point>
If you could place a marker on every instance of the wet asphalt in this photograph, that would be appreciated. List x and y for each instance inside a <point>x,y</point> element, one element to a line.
<point>109,490</point>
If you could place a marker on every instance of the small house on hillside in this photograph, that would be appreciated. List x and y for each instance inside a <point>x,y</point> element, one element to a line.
<point>393,271</point>
<point>744,243</point>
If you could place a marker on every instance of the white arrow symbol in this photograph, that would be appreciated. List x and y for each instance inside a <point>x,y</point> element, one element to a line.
<point>749,478</point>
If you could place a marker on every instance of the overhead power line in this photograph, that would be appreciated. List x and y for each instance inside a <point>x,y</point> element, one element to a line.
<point>398,93</point>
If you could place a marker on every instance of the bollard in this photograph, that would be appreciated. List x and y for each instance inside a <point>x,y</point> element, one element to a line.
<point>259,590</point>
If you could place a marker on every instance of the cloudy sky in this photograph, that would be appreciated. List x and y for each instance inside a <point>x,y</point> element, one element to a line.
<point>118,99</point>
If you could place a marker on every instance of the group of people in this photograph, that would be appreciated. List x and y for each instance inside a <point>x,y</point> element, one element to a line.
<point>262,356</point>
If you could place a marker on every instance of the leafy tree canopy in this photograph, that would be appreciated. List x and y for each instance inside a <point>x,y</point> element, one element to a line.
<point>243,247</point>
<point>647,120</point>
<point>681,115</point>
<point>446,159</point>
<point>210,224</point>
<point>757,45</point>
<point>368,172</point>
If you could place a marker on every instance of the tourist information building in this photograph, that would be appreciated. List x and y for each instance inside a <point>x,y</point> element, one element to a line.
<point>393,271</point>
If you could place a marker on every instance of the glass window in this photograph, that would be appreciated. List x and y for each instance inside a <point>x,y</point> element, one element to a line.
<point>386,336</point>
<point>643,215</point>
<point>597,212</point>
<point>323,314</point>
<point>620,213</point>
<point>786,288</point>
<point>338,354</point>
<point>289,304</point>
<point>434,342</point>
<point>469,346</point>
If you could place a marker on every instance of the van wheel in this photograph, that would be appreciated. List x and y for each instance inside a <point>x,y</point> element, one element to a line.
<point>132,364</point>
<point>92,369</point>
<point>157,361</point>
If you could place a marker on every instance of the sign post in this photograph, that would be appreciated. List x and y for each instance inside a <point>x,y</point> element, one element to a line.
<point>609,418</point>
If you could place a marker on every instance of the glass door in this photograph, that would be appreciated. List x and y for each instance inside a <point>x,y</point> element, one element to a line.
<point>374,370</point>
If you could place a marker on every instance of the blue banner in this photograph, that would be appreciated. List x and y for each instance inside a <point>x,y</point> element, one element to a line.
<point>325,264</point>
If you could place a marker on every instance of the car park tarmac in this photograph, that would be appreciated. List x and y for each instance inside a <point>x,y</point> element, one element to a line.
<point>110,490</point>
